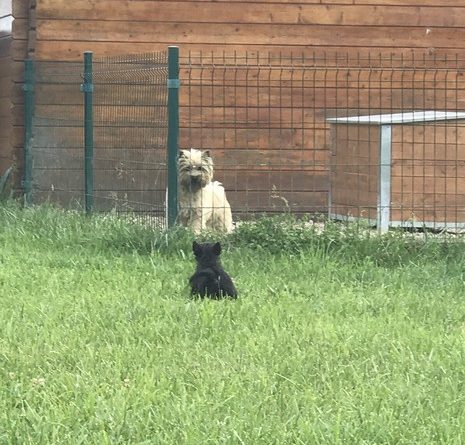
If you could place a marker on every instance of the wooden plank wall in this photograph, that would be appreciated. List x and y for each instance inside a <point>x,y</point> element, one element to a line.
<point>6,39</point>
<point>354,170</point>
<point>15,48</point>
<point>427,174</point>
<point>64,29</point>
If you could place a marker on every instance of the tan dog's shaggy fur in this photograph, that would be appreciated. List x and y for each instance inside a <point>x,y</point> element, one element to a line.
<point>202,202</point>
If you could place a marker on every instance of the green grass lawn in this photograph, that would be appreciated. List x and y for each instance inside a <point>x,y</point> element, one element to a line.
<point>334,339</point>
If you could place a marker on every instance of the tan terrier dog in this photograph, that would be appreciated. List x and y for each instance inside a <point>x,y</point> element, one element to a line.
<point>202,201</point>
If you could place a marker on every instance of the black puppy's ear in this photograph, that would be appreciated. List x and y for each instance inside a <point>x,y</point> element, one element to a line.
<point>196,248</point>
<point>217,248</point>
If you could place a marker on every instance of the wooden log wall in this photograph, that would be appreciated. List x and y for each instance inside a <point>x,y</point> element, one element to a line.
<point>214,116</point>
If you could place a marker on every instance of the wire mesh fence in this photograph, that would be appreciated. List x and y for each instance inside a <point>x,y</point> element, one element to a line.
<point>131,122</point>
<point>256,114</point>
<point>346,136</point>
<point>57,134</point>
<point>129,135</point>
<point>350,137</point>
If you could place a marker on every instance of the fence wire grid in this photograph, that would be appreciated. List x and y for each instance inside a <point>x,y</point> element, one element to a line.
<point>346,136</point>
<point>130,126</point>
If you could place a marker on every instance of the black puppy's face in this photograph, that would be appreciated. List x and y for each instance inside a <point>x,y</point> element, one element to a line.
<point>206,252</point>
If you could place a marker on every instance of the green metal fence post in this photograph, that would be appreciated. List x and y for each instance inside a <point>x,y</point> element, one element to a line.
<point>28,87</point>
<point>173,133</point>
<point>88,88</point>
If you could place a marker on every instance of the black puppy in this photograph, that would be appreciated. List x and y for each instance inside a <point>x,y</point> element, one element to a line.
<point>210,279</point>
